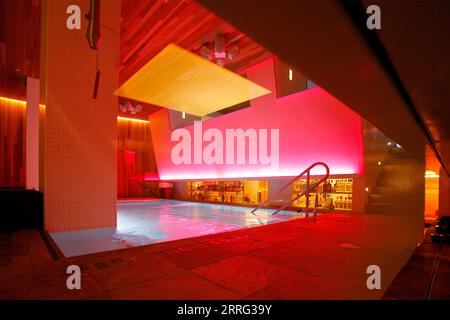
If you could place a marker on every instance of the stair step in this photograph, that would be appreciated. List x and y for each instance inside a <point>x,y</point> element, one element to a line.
<point>388,208</point>
<point>389,198</point>
<point>393,174</point>
<point>385,189</point>
<point>392,183</point>
<point>394,167</point>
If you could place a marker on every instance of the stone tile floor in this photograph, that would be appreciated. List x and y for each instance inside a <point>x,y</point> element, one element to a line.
<point>413,281</point>
<point>298,259</point>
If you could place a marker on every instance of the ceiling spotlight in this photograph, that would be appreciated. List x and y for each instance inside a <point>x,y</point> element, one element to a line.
<point>219,51</point>
<point>206,52</point>
<point>220,62</point>
<point>122,107</point>
<point>232,52</point>
<point>431,174</point>
<point>127,106</point>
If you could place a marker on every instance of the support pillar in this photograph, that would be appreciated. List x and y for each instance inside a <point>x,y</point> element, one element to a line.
<point>80,132</point>
<point>32,134</point>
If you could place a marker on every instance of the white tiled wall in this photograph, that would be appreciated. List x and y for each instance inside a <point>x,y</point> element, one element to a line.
<point>80,133</point>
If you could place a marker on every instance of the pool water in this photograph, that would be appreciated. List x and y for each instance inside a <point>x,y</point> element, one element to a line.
<point>146,222</point>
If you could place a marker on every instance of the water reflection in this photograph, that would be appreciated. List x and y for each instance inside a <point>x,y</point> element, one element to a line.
<point>143,223</point>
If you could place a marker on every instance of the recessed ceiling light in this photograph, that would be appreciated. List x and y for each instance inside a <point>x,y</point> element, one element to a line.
<point>431,174</point>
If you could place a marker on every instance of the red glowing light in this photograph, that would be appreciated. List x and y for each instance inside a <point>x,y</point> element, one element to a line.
<point>151,176</point>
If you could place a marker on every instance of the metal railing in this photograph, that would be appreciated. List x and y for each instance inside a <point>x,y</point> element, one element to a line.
<point>306,192</point>
<point>146,189</point>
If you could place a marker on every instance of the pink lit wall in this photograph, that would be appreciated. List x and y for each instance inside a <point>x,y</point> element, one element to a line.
<point>313,126</point>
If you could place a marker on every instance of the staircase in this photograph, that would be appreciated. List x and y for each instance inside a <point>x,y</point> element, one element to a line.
<point>391,192</point>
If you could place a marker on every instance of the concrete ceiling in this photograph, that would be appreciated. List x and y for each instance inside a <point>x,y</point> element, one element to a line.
<point>416,34</point>
<point>327,44</point>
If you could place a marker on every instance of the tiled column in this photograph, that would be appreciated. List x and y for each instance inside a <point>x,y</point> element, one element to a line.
<point>80,132</point>
<point>32,134</point>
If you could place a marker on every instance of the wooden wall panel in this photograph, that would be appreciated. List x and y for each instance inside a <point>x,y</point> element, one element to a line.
<point>19,45</point>
<point>149,26</point>
<point>12,144</point>
<point>131,137</point>
<point>135,156</point>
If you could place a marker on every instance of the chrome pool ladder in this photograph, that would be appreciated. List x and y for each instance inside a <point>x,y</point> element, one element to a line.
<point>306,192</point>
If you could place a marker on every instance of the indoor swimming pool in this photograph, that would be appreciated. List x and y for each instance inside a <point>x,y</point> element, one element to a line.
<point>147,222</point>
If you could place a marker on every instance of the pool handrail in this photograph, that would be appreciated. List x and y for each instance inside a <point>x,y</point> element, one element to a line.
<point>307,171</point>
